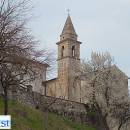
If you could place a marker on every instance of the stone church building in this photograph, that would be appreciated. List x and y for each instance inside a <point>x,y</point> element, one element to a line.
<point>66,85</point>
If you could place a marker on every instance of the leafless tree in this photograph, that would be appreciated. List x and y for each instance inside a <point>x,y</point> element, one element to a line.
<point>17,48</point>
<point>121,112</point>
<point>99,73</point>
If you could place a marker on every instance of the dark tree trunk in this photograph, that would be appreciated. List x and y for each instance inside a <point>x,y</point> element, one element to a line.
<point>5,101</point>
<point>120,126</point>
<point>105,124</point>
<point>102,117</point>
<point>46,119</point>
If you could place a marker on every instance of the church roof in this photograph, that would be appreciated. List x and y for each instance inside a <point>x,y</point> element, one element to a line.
<point>68,27</point>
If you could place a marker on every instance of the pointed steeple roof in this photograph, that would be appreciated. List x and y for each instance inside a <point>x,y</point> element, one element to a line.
<point>68,27</point>
<point>68,30</point>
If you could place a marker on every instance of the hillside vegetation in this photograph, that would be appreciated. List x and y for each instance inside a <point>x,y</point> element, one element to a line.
<point>25,118</point>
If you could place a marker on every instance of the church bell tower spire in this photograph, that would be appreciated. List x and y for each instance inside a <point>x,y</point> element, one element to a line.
<point>68,61</point>
<point>68,30</point>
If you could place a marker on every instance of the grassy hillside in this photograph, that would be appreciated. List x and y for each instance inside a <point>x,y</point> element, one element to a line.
<point>25,118</point>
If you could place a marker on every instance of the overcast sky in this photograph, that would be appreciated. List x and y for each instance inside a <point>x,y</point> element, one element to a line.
<point>101,25</point>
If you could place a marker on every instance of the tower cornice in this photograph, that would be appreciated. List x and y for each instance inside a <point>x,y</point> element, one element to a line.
<point>68,57</point>
<point>69,39</point>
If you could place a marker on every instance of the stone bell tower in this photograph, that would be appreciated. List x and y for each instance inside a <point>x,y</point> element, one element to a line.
<point>69,62</point>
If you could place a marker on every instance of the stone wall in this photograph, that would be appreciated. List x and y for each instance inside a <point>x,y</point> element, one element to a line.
<point>35,99</point>
<point>73,110</point>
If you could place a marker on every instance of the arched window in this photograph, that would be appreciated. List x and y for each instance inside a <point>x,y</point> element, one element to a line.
<point>62,51</point>
<point>73,51</point>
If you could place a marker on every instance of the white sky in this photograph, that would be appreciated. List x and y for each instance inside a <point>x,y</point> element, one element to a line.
<point>102,25</point>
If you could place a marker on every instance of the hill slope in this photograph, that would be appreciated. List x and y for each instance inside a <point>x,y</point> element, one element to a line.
<point>25,118</point>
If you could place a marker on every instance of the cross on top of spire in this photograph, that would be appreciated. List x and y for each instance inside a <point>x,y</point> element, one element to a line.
<point>68,10</point>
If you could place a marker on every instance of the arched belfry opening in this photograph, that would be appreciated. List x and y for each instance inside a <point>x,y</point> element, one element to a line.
<point>62,51</point>
<point>73,51</point>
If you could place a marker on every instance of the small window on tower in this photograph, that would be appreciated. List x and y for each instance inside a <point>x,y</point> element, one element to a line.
<point>73,51</point>
<point>62,51</point>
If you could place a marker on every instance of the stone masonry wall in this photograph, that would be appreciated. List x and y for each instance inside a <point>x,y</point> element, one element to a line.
<point>73,110</point>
